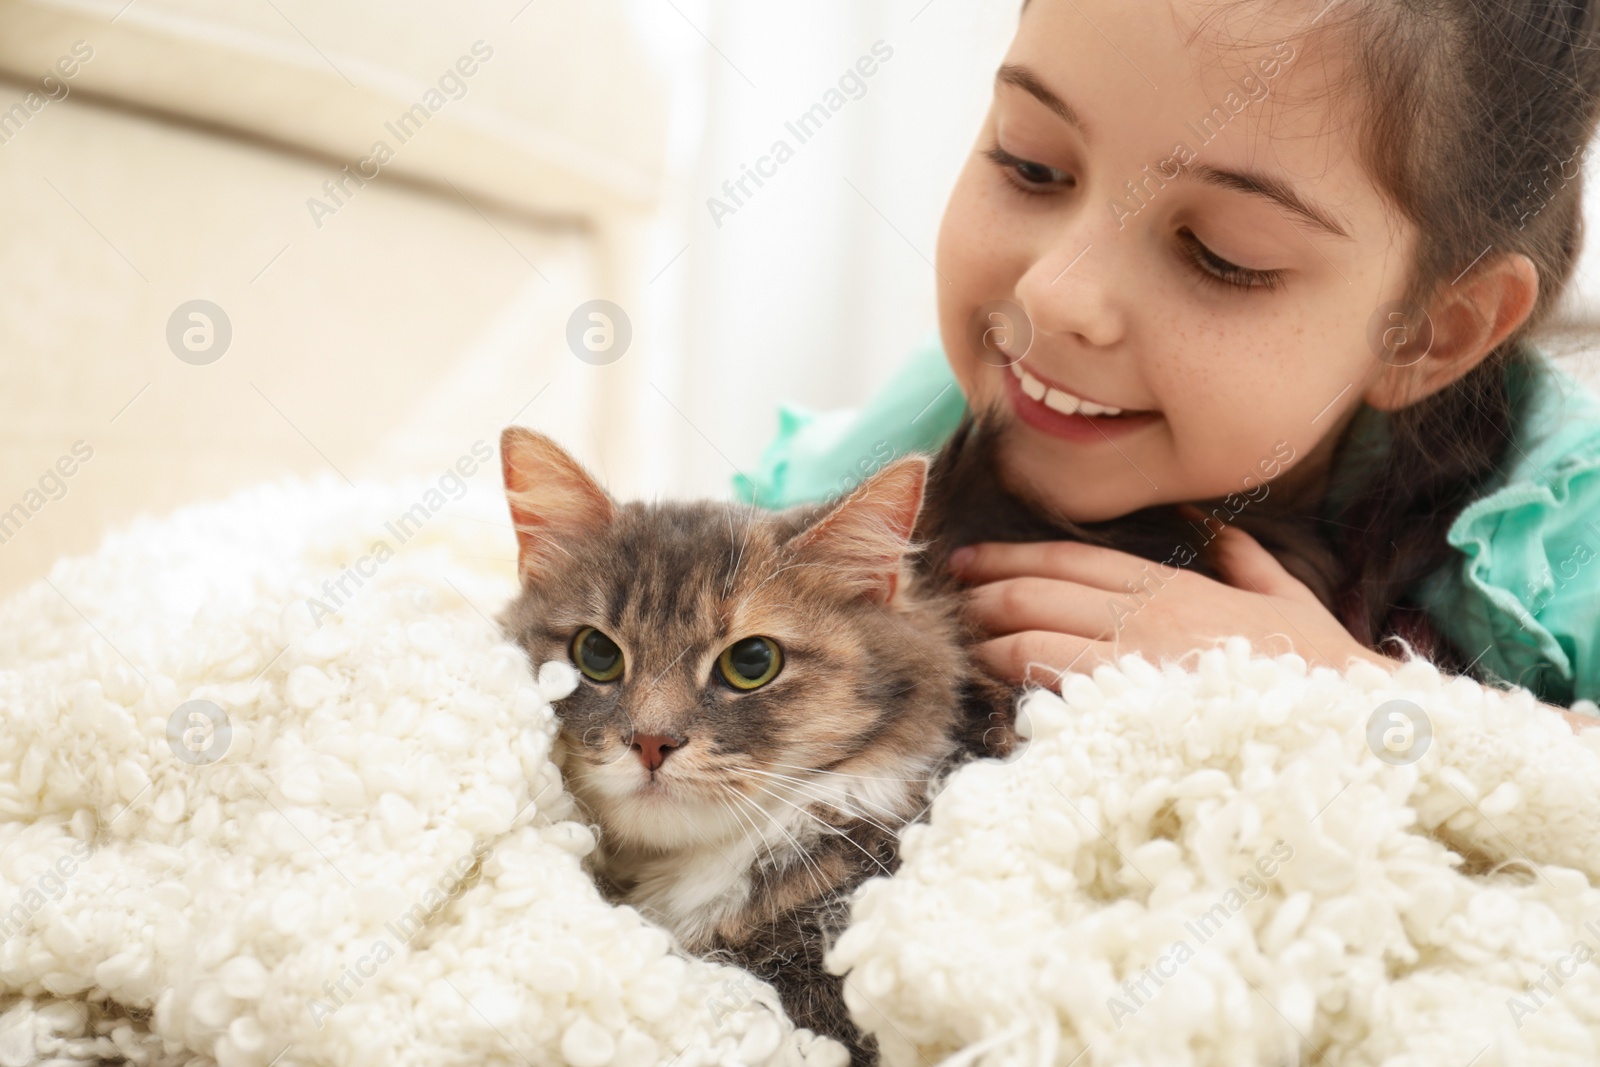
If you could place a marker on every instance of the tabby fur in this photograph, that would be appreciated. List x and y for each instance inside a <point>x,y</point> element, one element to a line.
<point>748,839</point>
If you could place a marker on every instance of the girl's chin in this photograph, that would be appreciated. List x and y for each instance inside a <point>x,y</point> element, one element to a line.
<point>1036,468</point>
<point>1025,475</point>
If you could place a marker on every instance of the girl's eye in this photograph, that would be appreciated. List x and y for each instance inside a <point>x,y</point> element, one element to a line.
<point>596,655</point>
<point>751,663</point>
<point>1026,175</point>
<point>1216,269</point>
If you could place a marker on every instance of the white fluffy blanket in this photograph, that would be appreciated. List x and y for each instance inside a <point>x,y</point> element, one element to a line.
<point>356,850</point>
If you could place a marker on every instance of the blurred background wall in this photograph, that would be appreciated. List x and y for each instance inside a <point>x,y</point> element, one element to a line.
<point>367,313</point>
<point>372,313</point>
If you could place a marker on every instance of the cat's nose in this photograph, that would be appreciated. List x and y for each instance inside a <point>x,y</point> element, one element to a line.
<point>653,748</point>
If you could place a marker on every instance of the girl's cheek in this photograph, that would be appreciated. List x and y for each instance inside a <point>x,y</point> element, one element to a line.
<point>957,265</point>
<point>978,260</point>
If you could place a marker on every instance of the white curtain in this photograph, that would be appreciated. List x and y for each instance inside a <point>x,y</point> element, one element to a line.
<point>818,281</point>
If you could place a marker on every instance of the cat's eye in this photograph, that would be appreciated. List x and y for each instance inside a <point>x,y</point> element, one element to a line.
<point>751,663</point>
<point>596,655</point>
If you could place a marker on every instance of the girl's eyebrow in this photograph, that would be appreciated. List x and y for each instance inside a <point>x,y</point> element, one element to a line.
<point>1255,183</point>
<point>1270,187</point>
<point>1026,80</point>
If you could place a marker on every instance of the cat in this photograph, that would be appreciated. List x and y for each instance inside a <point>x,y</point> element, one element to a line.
<point>765,700</point>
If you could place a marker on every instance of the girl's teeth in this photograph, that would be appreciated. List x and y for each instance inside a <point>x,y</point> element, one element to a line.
<point>1056,400</point>
<point>1065,403</point>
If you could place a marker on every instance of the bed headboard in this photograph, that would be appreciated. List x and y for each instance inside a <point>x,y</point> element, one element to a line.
<point>388,306</point>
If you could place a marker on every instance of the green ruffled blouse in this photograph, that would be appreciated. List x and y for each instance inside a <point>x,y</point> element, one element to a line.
<point>1524,594</point>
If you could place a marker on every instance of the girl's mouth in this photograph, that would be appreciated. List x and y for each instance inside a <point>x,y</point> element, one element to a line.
<point>1052,410</point>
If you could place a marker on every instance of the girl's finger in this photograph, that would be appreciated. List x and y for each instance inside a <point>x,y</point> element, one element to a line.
<point>1041,658</point>
<point>1242,563</point>
<point>1072,561</point>
<point>1015,605</point>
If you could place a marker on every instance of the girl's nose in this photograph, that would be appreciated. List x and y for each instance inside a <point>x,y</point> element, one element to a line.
<point>1069,290</point>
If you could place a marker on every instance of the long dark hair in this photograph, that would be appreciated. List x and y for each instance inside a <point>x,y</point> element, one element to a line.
<point>1473,116</point>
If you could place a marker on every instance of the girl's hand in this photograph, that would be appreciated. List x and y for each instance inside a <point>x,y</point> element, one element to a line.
<point>1063,605</point>
<point>1058,605</point>
<point>1578,722</point>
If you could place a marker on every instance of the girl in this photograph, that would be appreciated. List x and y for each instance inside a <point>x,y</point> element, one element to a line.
<point>1222,252</point>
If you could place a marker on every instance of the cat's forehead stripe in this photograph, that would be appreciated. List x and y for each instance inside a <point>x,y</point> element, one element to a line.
<point>680,561</point>
<point>658,575</point>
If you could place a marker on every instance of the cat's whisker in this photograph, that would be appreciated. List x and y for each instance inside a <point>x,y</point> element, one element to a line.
<point>743,819</point>
<point>733,571</point>
<point>825,825</point>
<point>744,834</point>
<point>727,582</point>
<point>730,793</point>
<point>823,802</point>
<point>819,879</point>
<point>546,542</point>
<point>864,801</point>
<point>671,665</point>
<point>830,803</point>
<point>687,821</point>
<point>841,774</point>
<point>775,866</point>
<point>781,570</point>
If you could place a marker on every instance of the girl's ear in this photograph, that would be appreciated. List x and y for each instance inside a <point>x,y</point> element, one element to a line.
<point>865,537</point>
<point>553,500</point>
<point>1464,324</point>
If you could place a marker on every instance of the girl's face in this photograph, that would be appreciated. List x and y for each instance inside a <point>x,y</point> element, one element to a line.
<point>1221,309</point>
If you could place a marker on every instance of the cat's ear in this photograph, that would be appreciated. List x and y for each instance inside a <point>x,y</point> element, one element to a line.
<point>553,499</point>
<point>866,536</point>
